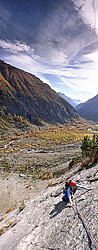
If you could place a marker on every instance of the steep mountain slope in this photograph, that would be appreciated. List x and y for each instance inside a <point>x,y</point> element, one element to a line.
<point>73,102</point>
<point>49,223</point>
<point>89,109</point>
<point>24,94</point>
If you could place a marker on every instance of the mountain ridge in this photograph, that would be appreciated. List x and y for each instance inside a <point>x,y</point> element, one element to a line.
<point>89,109</point>
<point>24,94</point>
<point>73,102</point>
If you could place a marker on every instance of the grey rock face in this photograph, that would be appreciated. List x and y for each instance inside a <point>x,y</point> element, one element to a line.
<point>49,223</point>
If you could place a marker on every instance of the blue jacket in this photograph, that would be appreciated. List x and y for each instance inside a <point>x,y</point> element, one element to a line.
<point>67,194</point>
<point>78,186</point>
<point>69,191</point>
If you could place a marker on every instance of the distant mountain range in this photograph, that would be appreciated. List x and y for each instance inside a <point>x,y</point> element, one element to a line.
<point>73,102</point>
<point>24,94</point>
<point>89,109</point>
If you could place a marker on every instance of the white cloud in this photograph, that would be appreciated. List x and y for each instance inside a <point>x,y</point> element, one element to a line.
<point>88,10</point>
<point>14,47</point>
<point>80,78</point>
<point>56,58</point>
<point>93,56</point>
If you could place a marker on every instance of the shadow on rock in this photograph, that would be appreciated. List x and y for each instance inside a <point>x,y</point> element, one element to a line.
<point>58,208</point>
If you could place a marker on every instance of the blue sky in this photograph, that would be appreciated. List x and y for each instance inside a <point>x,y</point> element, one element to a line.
<point>56,40</point>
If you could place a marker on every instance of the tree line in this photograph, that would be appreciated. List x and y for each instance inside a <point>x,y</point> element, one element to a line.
<point>89,146</point>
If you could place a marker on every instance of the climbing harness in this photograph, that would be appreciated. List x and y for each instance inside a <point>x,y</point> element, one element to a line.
<point>85,225</point>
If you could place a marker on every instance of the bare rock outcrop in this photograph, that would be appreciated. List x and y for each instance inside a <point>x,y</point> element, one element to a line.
<point>49,223</point>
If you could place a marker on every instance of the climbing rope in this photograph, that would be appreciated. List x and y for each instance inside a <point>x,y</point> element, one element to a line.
<point>85,225</point>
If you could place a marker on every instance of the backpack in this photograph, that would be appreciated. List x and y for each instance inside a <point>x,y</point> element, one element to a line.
<point>67,184</point>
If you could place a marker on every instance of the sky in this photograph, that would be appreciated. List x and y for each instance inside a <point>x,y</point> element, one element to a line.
<point>56,40</point>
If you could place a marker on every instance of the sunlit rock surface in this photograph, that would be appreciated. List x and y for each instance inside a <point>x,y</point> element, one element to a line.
<point>48,223</point>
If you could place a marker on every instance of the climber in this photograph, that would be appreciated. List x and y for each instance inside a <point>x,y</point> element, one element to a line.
<point>69,190</point>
